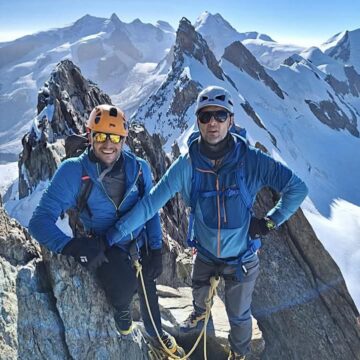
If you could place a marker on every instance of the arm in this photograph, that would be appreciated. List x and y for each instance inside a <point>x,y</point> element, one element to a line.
<point>174,180</point>
<point>277,176</point>
<point>293,194</point>
<point>153,227</point>
<point>57,198</point>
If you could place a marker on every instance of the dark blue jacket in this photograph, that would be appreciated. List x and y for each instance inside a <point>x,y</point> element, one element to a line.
<point>62,194</point>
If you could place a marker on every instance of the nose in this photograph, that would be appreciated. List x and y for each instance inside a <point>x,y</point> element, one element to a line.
<point>212,120</point>
<point>107,141</point>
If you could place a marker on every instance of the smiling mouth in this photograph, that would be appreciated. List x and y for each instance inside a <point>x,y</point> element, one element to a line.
<point>107,152</point>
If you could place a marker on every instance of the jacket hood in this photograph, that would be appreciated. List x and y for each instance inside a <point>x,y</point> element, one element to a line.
<point>237,153</point>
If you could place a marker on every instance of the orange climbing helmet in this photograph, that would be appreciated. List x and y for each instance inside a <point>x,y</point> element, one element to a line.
<point>107,119</point>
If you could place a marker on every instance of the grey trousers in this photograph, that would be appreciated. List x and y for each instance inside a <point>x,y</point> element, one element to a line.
<point>238,296</point>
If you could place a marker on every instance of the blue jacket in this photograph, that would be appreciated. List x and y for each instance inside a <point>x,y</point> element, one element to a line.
<point>62,193</point>
<point>223,235</point>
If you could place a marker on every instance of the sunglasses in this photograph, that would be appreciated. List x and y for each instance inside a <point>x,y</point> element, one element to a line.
<point>102,137</point>
<point>219,115</point>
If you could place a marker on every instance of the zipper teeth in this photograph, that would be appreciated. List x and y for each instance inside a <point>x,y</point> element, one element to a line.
<point>225,218</point>
<point>219,217</point>
<point>98,171</point>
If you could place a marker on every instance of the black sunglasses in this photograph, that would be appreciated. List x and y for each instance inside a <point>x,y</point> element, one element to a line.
<point>219,115</point>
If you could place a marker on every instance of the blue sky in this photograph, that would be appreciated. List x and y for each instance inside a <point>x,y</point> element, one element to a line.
<point>302,22</point>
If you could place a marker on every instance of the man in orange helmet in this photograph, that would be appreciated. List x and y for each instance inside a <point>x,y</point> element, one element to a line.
<point>115,180</point>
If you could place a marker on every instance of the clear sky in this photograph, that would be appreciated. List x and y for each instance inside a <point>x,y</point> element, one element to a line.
<point>304,22</point>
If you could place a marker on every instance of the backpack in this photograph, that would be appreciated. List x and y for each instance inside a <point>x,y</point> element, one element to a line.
<point>75,145</point>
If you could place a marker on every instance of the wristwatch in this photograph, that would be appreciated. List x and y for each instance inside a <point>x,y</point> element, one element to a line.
<point>270,224</point>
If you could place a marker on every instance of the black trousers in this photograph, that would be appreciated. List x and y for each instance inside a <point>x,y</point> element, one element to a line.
<point>119,281</point>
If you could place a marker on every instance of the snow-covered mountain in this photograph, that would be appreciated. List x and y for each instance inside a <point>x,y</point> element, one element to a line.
<point>114,54</point>
<point>128,61</point>
<point>210,26</point>
<point>294,110</point>
<point>344,47</point>
<point>267,51</point>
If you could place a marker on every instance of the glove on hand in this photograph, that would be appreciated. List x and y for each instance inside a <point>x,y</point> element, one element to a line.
<point>152,263</point>
<point>259,227</point>
<point>88,251</point>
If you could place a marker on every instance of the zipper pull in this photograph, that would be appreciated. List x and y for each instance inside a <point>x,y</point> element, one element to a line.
<point>244,269</point>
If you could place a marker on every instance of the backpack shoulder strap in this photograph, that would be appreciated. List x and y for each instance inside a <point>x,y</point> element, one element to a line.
<point>140,182</point>
<point>194,195</point>
<point>244,190</point>
<point>84,193</point>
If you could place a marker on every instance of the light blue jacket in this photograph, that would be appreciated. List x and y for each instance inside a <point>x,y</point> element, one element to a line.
<point>221,228</point>
<point>64,189</point>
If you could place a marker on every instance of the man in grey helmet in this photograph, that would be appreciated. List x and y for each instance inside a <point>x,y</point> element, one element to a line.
<point>219,178</point>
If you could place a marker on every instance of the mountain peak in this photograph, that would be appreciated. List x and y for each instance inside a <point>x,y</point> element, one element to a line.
<point>208,19</point>
<point>137,21</point>
<point>115,19</point>
<point>164,26</point>
<point>86,19</point>
<point>191,43</point>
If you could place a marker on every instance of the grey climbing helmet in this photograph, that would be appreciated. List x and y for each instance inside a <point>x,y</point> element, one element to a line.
<point>214,96</point>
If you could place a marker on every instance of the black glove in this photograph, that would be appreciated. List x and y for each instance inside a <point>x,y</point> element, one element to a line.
<point>152,263</point>
<point>260,227</point>
<point>89,251</point>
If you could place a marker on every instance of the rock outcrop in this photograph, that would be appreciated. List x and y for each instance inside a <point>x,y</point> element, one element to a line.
<point>301,301</point>
<point>237,54</point>
<point>66,101</point>
<point>329,113</point>
<point>50,307</point>
<point>351,86</point>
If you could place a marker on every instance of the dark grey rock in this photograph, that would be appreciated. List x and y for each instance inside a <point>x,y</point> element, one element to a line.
<point>237,54</point>
<point>191,43</point>
<point>342,49</point>
<point>329,113</point>
<point>251,112</point>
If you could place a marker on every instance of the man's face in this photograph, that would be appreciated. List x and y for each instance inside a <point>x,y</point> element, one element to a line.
<point>107,151</point>
<point>214,131</point>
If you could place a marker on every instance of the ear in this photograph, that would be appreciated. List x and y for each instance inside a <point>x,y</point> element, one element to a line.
<point>231,122</point>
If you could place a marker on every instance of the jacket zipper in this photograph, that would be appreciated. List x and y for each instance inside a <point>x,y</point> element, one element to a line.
<point>98,173</point>
<point>126,195</point>
<point>219,214</point>
<point>225,218</point>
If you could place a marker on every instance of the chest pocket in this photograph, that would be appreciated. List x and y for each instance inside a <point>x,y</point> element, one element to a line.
<point>224,199</point>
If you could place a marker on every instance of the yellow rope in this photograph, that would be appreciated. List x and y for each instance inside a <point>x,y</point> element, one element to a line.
<point>214,281</point>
